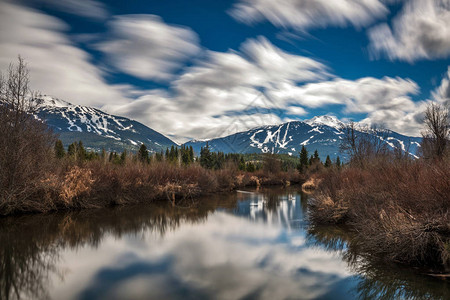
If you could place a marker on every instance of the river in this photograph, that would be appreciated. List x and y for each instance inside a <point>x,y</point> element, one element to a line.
<point>253,244</point>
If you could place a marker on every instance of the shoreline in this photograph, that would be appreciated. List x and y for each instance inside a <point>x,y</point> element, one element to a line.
<point>96,185</point>
<point>399,212</point>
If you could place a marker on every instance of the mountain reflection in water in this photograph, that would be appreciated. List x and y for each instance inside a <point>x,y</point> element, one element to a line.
<point>244,245</point>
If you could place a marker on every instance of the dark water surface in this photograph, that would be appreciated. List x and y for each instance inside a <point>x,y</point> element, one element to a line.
<point>245,245</point>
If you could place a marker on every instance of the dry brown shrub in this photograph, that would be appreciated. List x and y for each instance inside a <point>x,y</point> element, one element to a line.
<point>225,179</point>
<point>400,209</point>
<point>254,180</point>
<point>311,184</point>
<point>77,183</point>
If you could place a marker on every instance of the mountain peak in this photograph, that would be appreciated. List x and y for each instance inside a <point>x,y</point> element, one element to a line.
<point>331,121</point>
<point>49,101</point>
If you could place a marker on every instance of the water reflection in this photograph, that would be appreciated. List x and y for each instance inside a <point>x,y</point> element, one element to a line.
<point>379,279</point>
<point>245,245</point>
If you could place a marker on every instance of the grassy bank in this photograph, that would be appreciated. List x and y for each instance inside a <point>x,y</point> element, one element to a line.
<point>399,210</point>
<point>99,183</point>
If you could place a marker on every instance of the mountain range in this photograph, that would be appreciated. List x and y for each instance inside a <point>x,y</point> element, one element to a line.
<point>321,133</point>
<point>98,130</point>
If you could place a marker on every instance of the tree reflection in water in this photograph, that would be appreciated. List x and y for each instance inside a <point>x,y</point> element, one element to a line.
<point>30,246</point>
<point>379,279</point>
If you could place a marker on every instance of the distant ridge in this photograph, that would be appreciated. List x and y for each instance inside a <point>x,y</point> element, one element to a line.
<point>321,133</point>
<point>96,128</point>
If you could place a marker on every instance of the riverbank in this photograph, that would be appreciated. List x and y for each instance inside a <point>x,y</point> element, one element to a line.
<point>398,210</point>
<point>97,183</point>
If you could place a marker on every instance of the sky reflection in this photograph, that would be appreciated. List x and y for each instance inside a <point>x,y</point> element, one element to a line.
<point>251,252</point>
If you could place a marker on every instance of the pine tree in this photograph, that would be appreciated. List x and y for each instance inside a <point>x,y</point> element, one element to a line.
<point>59,149</point>
<point>72,150</point>
<point>123,157</point>
<point>328,162</point>
<point>191,154</point>
<point>251,167</point>
<point>303,159</point>
<point>185,155</point>
<point>242,164</point>
<point>103,154</point>
<point>338,162</point>
<point>316,156</point>
<point>206,160</point>
<point>143,154</point>
<point>81,152</point>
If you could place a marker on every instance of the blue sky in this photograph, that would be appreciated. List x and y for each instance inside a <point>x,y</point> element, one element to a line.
<point>199,69</point>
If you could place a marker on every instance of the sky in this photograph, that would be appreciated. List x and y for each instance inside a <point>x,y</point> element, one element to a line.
<point>202,69</point>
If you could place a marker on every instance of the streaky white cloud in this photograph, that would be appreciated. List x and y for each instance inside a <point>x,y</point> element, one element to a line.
<point>296,111</point>
<point>408,121</point>
<point>221,94</point>
<point>57,66</point>
<point>304,14</point>
<point>145,47</point>
<point>384,101</point>
<point>442,92</point>
<point>85,8</point>
<point>358,96</point>
<point>233,91</point>
<point>420,31</point>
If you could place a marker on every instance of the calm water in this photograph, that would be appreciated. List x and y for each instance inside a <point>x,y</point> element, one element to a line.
<point>246,245</point>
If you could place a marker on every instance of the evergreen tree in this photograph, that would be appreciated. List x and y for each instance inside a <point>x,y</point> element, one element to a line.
<point>316,155</point>
<point>72,150</point>
<point>242,164</point>
<point>59,149</point>
<point>159,156</point>
<point>191,154</point>
<point>143,154</point>
<point>185,155</point>
<point>123,157</point>
<point>328,162</point>
<point>103,154</point>
<point>81,152</point>
<point>338,162</point>
<point>303,159</point>
<point>251,167</point>
<point>206,157</point>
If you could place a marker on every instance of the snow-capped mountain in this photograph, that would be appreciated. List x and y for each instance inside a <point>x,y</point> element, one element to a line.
<point>330,121</point>
<point>321,133</point>
<point>96,128</point>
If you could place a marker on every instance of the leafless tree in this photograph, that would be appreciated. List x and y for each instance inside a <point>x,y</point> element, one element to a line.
<point>363,143</point>
<point>25,142</point>
<point>437,131</point>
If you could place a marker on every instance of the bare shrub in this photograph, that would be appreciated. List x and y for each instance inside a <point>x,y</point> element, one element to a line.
<point>26,143</point>
<point>77,183</point>
<point>437,131</point>
<point>400,210</point>
<point>363,144</point>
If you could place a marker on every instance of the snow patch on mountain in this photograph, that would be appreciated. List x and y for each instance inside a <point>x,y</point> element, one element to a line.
<point>322,133</point>
<point>95,127</point>
<point>330,121</point>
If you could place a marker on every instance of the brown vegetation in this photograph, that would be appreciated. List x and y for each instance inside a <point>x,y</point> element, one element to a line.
<point>34,177</point>
<point>25,144</point>
<point>399,207</point>
<point>311,184</point>
<point>73,184</point>
<point>399,210</point>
